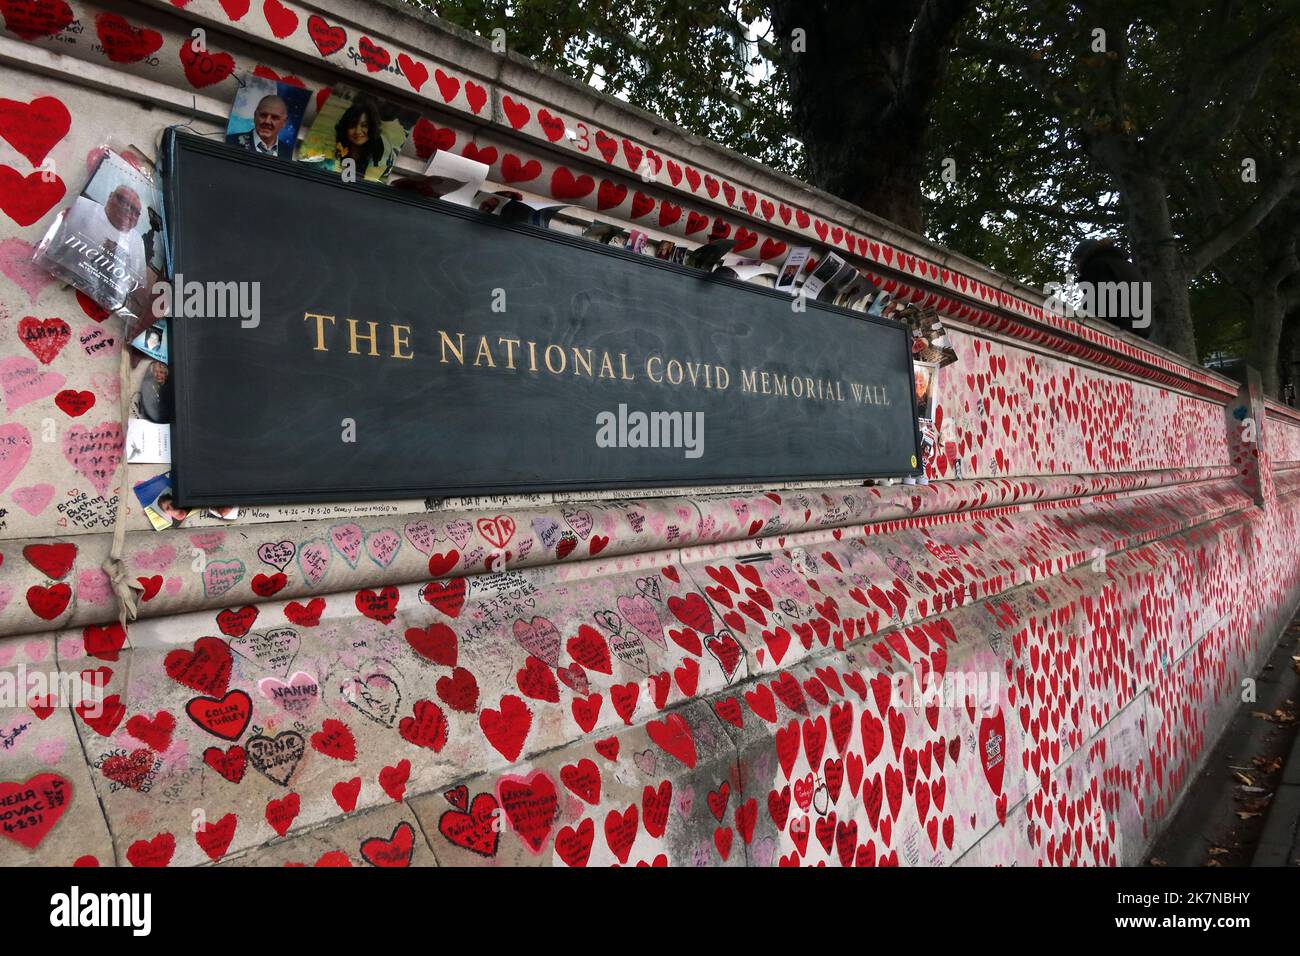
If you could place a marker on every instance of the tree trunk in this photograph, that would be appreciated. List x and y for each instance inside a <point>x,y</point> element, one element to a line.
<point>1290,356</point>
<point>1158,256</point>
<point>1266,337</point>
<point>861,92</point>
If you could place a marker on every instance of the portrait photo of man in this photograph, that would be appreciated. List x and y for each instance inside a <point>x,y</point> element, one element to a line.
<point>264,138</point>
<point>265,117</point>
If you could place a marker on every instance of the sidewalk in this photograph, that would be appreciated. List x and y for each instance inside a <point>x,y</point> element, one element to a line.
<point>1279,844</point>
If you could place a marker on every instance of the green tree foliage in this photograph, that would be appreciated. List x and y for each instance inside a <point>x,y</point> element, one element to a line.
<point>1012,129</point>
<point>696,64</point>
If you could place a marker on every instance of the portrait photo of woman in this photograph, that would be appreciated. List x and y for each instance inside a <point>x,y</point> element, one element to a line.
<point>358,137</point>
<point>357,132</point>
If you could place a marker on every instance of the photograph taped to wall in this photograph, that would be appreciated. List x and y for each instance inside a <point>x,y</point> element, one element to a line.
<point>265,116</point>
<point>157,499</point>
<point>108,242</point>
<point>926,378</point>
<point>792,268</point>
<point>365,129</point>
<point>153,341</point>
<point>153,399</point>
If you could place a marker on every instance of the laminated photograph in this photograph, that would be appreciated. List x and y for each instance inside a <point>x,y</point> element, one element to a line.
<point>357,132</point>
<point>636,240</point>
<point>153,341</point>
<point>489,203</point>
<point>842,279</point>
<point>925,376</point>
<point>857,293</point>
<point>788,279</point>
<point>266,115</point>
<point>747,270</point>
<point>148,430</point>
<point>462,177</point>
<point>108,242</point>
<point>159,504</point>
<point>822,276</point>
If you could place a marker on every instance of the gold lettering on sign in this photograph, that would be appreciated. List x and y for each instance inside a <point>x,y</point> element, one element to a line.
<point>320,329</point>
<point>510,351</point>
<point>576,361</point>
<point>353,337</point>
<point>457,350</point>
<point>401,342</point>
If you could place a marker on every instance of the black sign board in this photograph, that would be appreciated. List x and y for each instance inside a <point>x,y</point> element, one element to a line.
<point>406,347</point>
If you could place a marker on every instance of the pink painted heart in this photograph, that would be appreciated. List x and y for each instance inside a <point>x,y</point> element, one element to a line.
<point>647,761</point>
<point>297,696</point>
<point>106,387</point>
<point>34,498</point>
<point>93,586</point>
<point>422,536</point>
<point>95,452</point>
<point>23,381</point>
<point>580,521</point>
<point>347,540</point>
<point>155,559</point>
<point>277,553</point>
<point>459,531</point>
<point>16,265</point>
<point>382,546</point>
<point>539,638</point>
<point>50,752</point>
<point>15,449</point>
<point>208,541</point>
<point>314,559</point>
<point>220,576</point>
<point>640,613</point>
<point>94,341</point>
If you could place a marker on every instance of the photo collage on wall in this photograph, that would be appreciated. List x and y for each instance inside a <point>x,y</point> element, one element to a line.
<point>930,353</point>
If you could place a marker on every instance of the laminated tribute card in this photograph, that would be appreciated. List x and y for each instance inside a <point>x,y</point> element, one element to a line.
<point>265,116</point>
<point>357,132</point>
<point>108,241</point>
